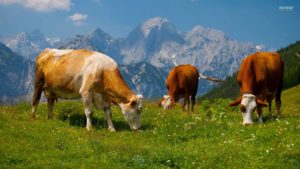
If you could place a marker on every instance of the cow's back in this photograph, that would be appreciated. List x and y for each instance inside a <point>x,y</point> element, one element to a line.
<point>261,71</point>
<point>66,71</point>
<point>273,70</point>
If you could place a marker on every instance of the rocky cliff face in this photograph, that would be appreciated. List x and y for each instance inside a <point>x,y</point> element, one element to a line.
<point>16,75</point>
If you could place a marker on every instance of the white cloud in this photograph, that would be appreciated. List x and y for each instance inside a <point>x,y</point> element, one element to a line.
<point>78,18</point>
<point>260,47</point>
<point>41,5</point>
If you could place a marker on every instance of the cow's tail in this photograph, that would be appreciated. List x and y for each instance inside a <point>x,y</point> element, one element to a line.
<point>38,88</point>
<point>211,78</point>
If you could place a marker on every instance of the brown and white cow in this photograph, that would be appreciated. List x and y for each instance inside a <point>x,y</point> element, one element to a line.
<point>182,82</point>
<point>89,75</point>
<point>260,78</point>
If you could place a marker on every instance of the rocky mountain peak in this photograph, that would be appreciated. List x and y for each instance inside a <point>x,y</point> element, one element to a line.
<point>156,23</point>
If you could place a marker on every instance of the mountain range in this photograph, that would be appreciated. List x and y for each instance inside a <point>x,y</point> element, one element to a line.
<point>29,45</point>
<point>149,52</point>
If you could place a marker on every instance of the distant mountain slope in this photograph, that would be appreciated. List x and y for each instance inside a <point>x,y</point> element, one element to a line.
<point>30,44</point>
<point>15,75</point>
<point>291,57</point>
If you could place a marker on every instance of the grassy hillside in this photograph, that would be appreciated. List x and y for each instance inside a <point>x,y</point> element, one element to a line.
<point>291,57</point>
<point>211,137</point>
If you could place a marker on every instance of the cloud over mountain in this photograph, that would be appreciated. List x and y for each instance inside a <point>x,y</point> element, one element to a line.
<point>41,5</point>
<point>78,18</point>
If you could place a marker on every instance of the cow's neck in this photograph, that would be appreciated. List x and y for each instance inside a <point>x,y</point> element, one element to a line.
<point>248,83</point>
<point>116,88</point>
<point>173,94</point>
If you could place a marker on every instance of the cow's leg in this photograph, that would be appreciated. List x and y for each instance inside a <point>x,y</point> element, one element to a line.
<point>278,96</point>
<point>259,114</point>
<point>187,103</point>
<point>278,102</point>
<point>193,98</point>
<point>87,102</point>
<point>50,104</point>
<point>38,88</point>
<point>107,111</point>
<point>270,107</point>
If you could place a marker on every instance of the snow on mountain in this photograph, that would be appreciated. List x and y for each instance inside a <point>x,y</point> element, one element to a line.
<point>158,42</point>
<point>148,38</point>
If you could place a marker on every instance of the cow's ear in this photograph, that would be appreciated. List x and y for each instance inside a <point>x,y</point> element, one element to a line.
<point>159,103</point>
<point>236,102</point>
<point>260,103</point>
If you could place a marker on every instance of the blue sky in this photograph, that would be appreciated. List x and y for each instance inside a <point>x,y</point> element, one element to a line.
<point>274,23</point>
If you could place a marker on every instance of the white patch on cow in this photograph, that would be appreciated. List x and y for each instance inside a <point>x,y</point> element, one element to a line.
<point>166,101</point>
<point>140,99</point>
<point>95,63</point>
<point>59,52</point>
<point>249,102</point>
<point>99,60</point>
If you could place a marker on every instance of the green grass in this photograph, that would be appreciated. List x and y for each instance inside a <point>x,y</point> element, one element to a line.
<point>211,137</point>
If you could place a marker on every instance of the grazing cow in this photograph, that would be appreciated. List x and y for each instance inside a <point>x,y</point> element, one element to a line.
<point>182,82</point>
<point>90,75</point>
<point>260,78</point>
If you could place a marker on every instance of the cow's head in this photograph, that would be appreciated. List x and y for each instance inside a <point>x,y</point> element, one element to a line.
<point>248,104</point>
<point>167,102</point>
<point>132,112</point>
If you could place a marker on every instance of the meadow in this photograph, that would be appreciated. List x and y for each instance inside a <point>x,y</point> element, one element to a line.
<point>211,137</point>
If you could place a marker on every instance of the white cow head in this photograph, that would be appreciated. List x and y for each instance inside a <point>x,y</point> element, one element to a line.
<point>248,104</point>
<point>166,102</point>
<point>132,112</point>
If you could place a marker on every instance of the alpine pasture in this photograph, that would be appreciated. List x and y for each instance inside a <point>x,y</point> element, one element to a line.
<point>211,137</point>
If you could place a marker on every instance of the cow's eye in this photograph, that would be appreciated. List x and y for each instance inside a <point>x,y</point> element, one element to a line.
<point>243,108</point>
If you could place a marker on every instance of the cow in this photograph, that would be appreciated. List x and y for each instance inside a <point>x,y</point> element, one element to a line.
<point>260,78</point>
<point>94,77</point>
<point>182,85</point>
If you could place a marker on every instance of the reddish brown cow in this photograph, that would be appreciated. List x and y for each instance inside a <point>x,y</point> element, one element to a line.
<point>260,78</point>
<point>89,75</point>
<point>182,82</point>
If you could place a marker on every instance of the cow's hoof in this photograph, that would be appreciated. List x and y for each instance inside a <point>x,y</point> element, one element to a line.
<point>111,129</point>
<point>89,128</point>
<point>248,123</point>
<point>32,117</point>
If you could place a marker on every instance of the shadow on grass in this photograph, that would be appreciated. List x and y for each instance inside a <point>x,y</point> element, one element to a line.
<point>100,123</point>
<point>271,118</point>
